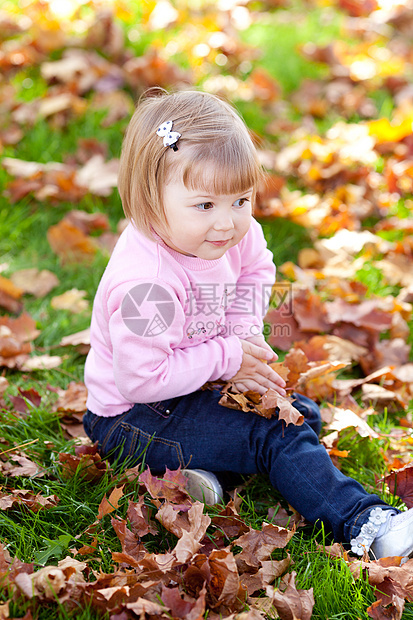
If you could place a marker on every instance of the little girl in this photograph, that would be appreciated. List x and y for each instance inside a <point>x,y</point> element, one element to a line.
<point>181,303</point>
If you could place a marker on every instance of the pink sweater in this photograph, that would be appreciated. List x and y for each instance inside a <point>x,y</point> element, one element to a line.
<point>164,323</point>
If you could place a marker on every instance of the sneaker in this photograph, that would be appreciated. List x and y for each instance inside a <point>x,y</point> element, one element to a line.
<point>203,486</point>
<point>397,538</point>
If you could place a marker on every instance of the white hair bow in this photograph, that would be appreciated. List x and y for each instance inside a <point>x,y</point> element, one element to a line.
<point>170,138</point>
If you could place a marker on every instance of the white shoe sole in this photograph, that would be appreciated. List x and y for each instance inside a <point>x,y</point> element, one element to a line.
<point>203,486</point>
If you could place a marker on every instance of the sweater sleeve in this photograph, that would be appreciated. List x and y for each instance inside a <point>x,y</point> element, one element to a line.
<point>250,298</point>
<point>155,367</point>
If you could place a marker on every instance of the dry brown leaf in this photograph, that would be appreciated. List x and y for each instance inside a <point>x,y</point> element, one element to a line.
<point>177,522</point>
<point>132,548</point>
<point>70,243</point>
<point>271,401</point>
<point>400,483</point>
<point>343,418</point>
<point>171,487</point>
<point>257,545</point>
<point>292,604</point>
<point>41,362</point>
<point>108,505</point>
<point>139,517</point>
<point>35,282</point>
<point>80,340</point>
<point>28,499</point>
<point>25,467</point>
<point>73,300</point>
<point>86,463</point>
<point>269,571</point>
<point>184,607</point>
<point>186,547</point>
<point>72,400</point>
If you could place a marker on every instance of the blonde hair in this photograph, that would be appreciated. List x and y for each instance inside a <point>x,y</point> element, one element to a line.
<point>211,133</point>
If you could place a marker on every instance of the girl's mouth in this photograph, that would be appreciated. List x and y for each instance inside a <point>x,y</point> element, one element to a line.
<point>220,243</point>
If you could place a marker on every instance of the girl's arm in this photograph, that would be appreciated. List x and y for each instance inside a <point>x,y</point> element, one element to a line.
<point>249,302</point>
<point>152,368</point>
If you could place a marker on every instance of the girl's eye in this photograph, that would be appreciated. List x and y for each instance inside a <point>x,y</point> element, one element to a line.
<point>241,202</point>
<point>204,206</point>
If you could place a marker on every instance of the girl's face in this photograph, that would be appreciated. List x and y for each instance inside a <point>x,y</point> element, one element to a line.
<point>202,225</point>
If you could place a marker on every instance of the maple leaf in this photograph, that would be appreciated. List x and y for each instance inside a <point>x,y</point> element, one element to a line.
<point>80,340</point>
<point>223,583</point>
<point>108,505</point>
<point>70,243</point>
<point>292,603</point>
<point>15,337</point>
<point>86,466</point>
<point>229,522</point>
<point>9,295</point>
<point>133,550</point>
<point>343,418</point>
<point>271,401</point>
<point>184,606</point>
<point>20,402</point>
<point>170,487</point>
<point>266,574</point>
<point>72,400</point>
<point>257,545</point>
<point>35,282</point>
<point>28,499</point>
<point>72,300</point>
<point>192,520</point>
<point>400,483</point>
<point>139,516</point>
<point>25,467</point>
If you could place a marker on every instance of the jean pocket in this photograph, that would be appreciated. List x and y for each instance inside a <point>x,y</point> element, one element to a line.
<point>126,442</point>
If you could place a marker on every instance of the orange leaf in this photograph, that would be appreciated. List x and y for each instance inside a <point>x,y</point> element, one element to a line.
<point>70,243</point>
<point>107,506</point>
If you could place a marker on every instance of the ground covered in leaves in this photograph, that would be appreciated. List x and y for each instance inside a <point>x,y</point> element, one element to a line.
<point>326,90</point>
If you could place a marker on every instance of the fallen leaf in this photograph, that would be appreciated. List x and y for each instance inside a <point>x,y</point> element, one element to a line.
<point>257,545</point>
<point>292,604</point>
<point>271,401</point>
<point>73,300</point>
<point>35,282</point>
<point>70,243</point>
<point>108,505</point>
<point>41,362</point>
<point>73,399</point>
<point>400,483</point>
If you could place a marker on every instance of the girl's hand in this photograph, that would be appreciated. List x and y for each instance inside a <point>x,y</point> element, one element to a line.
<point>261,342</point>
<point>255,374</point>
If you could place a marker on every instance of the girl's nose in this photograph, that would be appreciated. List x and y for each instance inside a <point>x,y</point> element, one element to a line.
<point>224,222</point>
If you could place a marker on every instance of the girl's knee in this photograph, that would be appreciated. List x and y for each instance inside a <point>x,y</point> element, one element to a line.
<point>309,409</point>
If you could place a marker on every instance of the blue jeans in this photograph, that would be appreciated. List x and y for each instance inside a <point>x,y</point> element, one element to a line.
<point>194,431</point>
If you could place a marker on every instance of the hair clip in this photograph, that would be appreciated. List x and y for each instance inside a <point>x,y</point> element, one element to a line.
<point>170,138</point>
